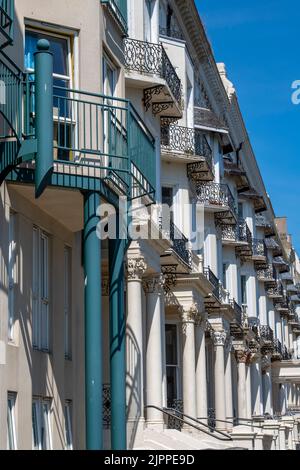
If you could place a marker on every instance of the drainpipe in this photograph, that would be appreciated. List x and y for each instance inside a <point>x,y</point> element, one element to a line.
<point>117,250</point>
<point>93,324</point>
<point>44,115</point>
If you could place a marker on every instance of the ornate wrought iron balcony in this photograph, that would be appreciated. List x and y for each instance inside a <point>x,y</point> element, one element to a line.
<point>286,355</point>
<point>173,33</point>
<point>267,275</point>
<point>262,222</point>
<point>185,140</point>
<point>219,196</point>
<point>259,248</point>
<point>118,9</point>
<point>219,293</point>
<point>239,233</point>
<point>275,292</point>
<point>179,241</point>
<point>278,351</point>
<point>238,312</point>
<point>266,333</point>
<point>151,59</point>
<point>6,22</point>
<point>283,306</point>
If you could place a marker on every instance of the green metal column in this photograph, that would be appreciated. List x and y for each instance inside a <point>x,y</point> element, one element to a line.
<point>93,324</point>
<point>117,250</point>
<point>43,115</point>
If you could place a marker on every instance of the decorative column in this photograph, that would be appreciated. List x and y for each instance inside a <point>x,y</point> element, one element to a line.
<point>136,268</point>
<point>241,358</point>
<point>228,384</point>
<point>256,388</point>
<point>117,322</point>
<point>153,287</point>
<point>267,386</point>
<point>201,384</point>
<point>219,338</point>
<point>248,392</point>
<point>93,324</point>
<point>188,360</point>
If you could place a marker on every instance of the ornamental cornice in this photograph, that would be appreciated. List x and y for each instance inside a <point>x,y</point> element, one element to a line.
<point>136,268</point>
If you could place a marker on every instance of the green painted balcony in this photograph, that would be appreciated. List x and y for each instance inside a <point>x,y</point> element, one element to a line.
<point>6,22</point>
<point>118,9</point>
<point>99,142</point>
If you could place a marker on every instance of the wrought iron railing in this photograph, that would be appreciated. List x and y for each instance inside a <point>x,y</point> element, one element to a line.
<point>118,8</point>
<point>11,114</point>
<point>266,333</point>
<point>237,233</point>
<point>174,33</point>
<point>238,312</point>
<point>150,58</point>
<point>211,418</point>
<point>286,355</point>
<point>267,274</point>
<point>215,194</point>
<point>180,244</point>
<point>275,291</point>
<point>106,398</point>
<point>259,248</point>
<point>186,140</point>
<point>277,347</point>
<point>219,292</point>
<point>6,22</point>
<point>173,421</point>
<point>101,137</point>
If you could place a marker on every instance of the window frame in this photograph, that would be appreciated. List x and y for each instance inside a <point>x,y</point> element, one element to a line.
<point>244,291</point>
<point>12,275</point>
<point>69,424</point>
<point>11,421</point>
<point>68,302</point>
<point>41,290</point>
<point>40,422</point>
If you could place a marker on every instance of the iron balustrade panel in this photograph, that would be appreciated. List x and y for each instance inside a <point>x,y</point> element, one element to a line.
<point>277,346</point>
<point>101,137</point>
<point>259,248</point>
<point>268,273</point>
<point>186,140</point>
<point>175,406</point>
<point>11,114</point>
<point>180,244</point>
<point>174,33</point>
<point>237,233</point>
<point>286,355</point>
<point>238,312</point>
<point>118,8</point>
<point>6,22</point>
<point>215,194</point>
<point>106,397</point>
<point>276,291</point>
<point>266,333</point>
<point>214,281</point>
<point>150,58</point>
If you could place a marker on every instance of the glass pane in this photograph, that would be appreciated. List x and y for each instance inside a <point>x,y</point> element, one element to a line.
<point>45,427</point>
<point>10,424</point>
<point>35,433</point>
<point>58,46</point>
<point>171,385</point>
<point>68,427</point>
<point>171,344</point>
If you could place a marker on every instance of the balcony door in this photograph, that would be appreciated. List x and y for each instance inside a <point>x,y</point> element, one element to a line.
<point>172,364</point>
<point>148,18</point>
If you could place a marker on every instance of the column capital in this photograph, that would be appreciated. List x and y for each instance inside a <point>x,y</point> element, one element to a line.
<point>191,314</point>
<point>136,268</point>
<point>153,284</point>
<point>219,338</point>
<point>242,356</point>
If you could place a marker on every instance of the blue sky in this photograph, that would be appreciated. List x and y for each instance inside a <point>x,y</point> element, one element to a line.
<point>259,41</point>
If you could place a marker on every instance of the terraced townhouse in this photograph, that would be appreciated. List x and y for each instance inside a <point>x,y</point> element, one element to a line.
<point>149,343</point>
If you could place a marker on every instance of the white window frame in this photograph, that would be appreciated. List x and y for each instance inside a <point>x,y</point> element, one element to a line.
<point>40,290</point>
<point>11,421</point>
<point>68,302</point>
<point>68,425</point>
<point>41,421</point>
<point>107,62</point>
<point>68,78</point>
<point>12,274</point>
